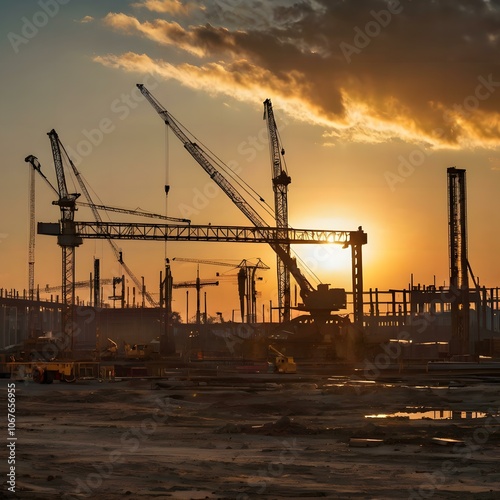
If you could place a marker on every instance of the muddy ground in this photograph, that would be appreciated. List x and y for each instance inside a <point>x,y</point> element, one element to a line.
<point>266,437</point>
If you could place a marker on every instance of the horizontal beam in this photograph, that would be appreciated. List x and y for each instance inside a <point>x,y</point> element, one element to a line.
<point>172,232</point>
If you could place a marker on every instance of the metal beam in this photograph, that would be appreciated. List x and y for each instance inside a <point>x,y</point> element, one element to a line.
<point>161,232</point>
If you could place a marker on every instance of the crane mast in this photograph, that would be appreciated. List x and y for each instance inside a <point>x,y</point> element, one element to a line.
<point>31,244</point>
<point>280,179</point>
<point>68,241</point>
<point>319,302</point>
<point>246,282</point>
<point>67,203</point>
<point>114,247</point>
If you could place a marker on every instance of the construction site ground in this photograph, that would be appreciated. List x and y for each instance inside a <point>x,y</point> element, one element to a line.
<point>265,436</point>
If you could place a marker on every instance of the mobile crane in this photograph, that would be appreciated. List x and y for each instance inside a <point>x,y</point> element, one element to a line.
<point>319,302</point>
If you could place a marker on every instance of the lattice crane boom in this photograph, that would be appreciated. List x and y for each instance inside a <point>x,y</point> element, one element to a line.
<point>204,261</point>
<point>316,301</point>
<point>281,180</point>
<point>78,284</point>
<point>33,160</point>
<point>68,205</point>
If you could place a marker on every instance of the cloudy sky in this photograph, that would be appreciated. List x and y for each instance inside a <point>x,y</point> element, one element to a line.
<point>374,100</point>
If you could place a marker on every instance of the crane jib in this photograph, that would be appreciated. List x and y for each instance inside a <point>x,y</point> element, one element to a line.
<point>321,299</point>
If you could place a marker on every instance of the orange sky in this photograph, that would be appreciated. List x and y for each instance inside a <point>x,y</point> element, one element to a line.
<point>374,100</point>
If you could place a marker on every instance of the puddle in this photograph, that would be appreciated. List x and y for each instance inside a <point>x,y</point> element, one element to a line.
<point>433,415</point>
<point>346,382</point>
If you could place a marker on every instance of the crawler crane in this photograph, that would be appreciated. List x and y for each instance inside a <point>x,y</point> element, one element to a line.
<point>318,302</point>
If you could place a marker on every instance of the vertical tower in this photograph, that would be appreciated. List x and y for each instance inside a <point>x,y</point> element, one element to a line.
<point>459,280</point>
<point>32,233</point>
<point>281,180</point>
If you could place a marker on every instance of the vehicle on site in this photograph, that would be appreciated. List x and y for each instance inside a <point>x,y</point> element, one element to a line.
<point>36,358</point>
<point>137,351</point>
<point>282,363</point>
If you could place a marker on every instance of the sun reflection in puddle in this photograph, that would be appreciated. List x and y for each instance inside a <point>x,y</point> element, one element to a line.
<point>432,415</point>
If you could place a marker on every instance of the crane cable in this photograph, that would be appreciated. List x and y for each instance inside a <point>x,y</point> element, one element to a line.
<point>244,185</point>
<point>227,170</point>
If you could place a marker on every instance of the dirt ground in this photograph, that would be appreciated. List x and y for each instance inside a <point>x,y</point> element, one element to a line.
<point>269,437</point>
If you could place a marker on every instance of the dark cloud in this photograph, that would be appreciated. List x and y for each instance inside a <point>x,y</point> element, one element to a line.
<point>421,70</point>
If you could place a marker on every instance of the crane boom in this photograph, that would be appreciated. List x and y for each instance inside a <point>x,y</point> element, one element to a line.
<point>57,146</point>
<point>316,301</point>
<point>204,261</point>
<point>78,284</point>
<point>33,160</point>
<point>140,213</point>
<point>280,180</point>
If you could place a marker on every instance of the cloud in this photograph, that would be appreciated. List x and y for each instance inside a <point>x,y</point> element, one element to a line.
<point>200,41</point>
<point>166,6</point>
<point>369,70</point>
<point>86,19</point>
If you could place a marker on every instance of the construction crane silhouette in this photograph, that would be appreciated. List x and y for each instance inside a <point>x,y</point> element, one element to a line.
<point>68,241</point>
<point>320,301</point>
<point>32,235</point>
<point>246,283</point>
<point>198,284</point>
<point>78,284</point>
<point>57,146</point>
<point>281,180</point>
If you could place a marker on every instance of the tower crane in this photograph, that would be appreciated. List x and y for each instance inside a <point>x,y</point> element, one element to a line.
<point>229,234</point>
<point>246,282</point>
<point>68,241</point>
<point>34,162</point>
<point>32,233</point>
<point>198,284</point>
<point>95,209</point>
<point>281,180</point>
<point>318,302</point>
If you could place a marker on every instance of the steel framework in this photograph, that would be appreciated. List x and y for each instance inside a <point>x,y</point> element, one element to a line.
<point>230,234</point>
<point>459,277</point>
<point>281,180</point>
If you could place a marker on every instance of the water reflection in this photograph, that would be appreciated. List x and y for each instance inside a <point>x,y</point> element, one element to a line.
<point>433,415</point>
